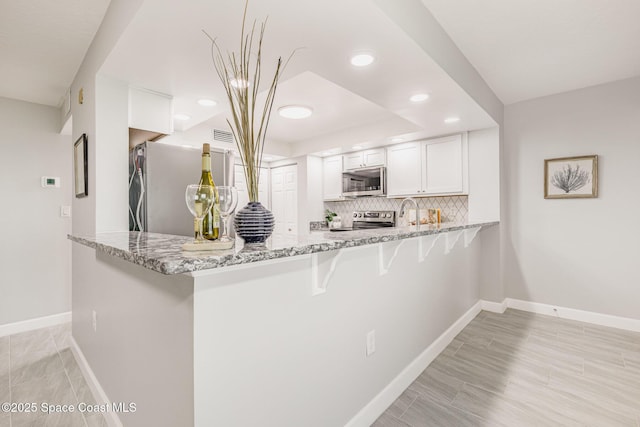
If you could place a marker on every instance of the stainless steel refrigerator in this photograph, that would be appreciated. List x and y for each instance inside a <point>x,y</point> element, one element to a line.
<point>158,176</point>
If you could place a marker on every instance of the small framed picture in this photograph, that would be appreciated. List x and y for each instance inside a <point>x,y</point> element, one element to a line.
<point>80,172</point>
<point>571,177</point>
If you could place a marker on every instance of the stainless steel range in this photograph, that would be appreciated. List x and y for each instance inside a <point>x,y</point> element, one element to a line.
<point>373,219</point>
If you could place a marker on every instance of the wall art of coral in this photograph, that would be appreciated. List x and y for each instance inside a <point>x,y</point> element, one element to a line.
<point>571,177</point>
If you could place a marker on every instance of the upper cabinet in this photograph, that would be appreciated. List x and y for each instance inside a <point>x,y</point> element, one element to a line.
<point>150,111</point>
<point>404,169</point>
<point>364,159</point>
<point>332,178</point>
<point>444,164</point>
<point>428,168</point>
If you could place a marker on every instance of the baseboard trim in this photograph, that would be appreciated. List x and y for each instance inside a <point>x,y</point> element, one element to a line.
<point>391,392</point>
<point>494,307</point>
<point>609,320</point>
<point>399,384</point>
<point>37,323</point>
<point>96,389</point>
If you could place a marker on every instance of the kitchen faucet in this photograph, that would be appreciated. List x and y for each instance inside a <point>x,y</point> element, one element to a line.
<point>415,204</point>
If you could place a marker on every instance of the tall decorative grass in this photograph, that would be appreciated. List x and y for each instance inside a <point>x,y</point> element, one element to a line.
<point>250,121</point>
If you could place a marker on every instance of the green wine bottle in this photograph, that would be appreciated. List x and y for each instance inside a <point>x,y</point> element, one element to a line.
<point>211,221</point>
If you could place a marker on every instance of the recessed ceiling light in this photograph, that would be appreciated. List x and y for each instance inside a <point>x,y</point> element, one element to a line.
<point>186,146</point>
<point>295,111</point>
<point>181,117</point>
<point>327,153</point>
<point>419,97</point>
<point>239,83</point>
<point>267,158</point>
<point>397,139</point>
<point>357,147</point>
<point>452,119</point>
<point>362,59</point>
<point>207,102</point>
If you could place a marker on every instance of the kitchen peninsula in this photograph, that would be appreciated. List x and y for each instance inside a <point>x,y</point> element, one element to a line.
<point>326,320</point>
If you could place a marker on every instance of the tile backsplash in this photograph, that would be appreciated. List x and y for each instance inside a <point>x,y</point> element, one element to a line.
<point>453,208</point>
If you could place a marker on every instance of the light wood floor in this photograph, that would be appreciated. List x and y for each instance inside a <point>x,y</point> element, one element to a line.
<point>522,369</point>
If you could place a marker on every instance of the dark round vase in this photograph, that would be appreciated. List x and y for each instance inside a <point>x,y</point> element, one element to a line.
<point>254,223</point>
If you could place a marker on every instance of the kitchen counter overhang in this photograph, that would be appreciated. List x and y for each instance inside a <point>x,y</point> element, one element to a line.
<point>297,314</point>
<point>162,252</point>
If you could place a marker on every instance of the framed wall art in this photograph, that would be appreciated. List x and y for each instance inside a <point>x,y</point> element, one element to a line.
<point>571,177</point>
<point>80,172</point>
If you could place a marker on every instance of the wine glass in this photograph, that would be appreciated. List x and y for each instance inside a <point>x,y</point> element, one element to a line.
<point>199,198</point>
<point>227,199</point>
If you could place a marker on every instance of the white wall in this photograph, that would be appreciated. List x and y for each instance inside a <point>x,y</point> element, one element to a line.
<point>142,348</point>
<point>315,202</point>
<point>484,175</point>
<point>112,155</point>
<point>262,339</point>
<point>310,202</point>
<point>310,198</point>
<point>117,17</point>
<point>34,253</point>
<point>203,132</point>
<point>578,253</point>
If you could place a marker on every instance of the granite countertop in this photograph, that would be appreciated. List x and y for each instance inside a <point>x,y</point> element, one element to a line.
<point>163,253</point>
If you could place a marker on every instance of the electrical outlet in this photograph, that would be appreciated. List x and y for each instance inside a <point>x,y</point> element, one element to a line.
<point>371,342</point>
<point>94,320</point>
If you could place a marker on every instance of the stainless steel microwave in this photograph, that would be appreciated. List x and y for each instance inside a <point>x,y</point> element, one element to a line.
<point>364,182</point>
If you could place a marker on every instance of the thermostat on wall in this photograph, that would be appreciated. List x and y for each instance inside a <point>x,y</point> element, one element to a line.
<point>51,181</point>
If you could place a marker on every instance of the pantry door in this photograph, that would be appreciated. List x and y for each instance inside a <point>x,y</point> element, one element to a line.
<point>284,200</point>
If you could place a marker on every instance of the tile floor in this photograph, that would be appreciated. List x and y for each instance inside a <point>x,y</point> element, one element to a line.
<point>512,369</point>
<point>38,367</point>
<point>522,369</point>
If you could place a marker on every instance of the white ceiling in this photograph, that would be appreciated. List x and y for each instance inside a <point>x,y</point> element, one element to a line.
<point>164,50</point>
<point>523,49</point>
<point>42,44</point>
<point>526,49</point>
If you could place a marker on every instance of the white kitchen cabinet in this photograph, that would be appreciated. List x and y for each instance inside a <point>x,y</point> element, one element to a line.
<point>428,168</point>
<point>404,169</point>
<point>352,161</point>
<point>151,111</point>
<point>375,157</point>
<point>332,178</point>
<point>364,159</point>
<point>443,160</point>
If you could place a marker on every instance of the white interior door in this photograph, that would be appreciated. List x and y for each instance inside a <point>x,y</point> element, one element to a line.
<point>241,185</point>
<point>284,199</point>
<point>263,188</point>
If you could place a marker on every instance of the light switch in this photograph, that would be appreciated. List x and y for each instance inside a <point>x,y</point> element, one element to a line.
<point>65,211</point>
<point>371,342</point>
